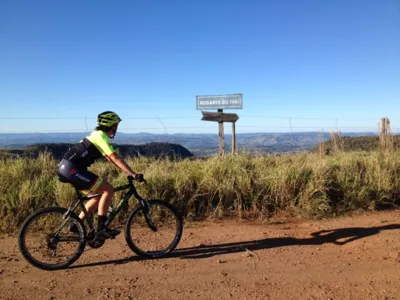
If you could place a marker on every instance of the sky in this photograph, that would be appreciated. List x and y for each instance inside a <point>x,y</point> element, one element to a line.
<point>301,65</point>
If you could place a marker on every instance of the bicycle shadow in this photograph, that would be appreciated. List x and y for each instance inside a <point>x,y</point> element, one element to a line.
<point>340,236</point>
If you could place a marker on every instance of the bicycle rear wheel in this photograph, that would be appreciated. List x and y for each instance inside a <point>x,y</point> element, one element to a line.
<point>46,242</point>
<point>159,234</point>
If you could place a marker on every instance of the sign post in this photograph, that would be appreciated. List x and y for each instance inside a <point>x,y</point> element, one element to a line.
<point>221,135</point>
<point>219,102</point>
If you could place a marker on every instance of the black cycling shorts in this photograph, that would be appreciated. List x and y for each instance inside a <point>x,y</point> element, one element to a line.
<point>80,178</point>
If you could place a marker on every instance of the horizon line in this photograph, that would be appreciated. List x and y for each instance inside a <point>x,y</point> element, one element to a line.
<point>198,133</point>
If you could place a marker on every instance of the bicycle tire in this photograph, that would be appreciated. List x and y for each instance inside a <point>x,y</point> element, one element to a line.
<point>51,244</point>
<point>162,220</point>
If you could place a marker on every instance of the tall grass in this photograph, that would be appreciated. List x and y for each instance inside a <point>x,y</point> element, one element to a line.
<point>309,185</point>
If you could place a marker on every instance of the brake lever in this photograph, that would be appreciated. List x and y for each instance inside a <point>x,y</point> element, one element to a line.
<point>131,179</point>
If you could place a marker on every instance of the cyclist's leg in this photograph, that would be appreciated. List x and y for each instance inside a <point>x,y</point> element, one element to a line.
<point>89,183</point>
<point>105,200</point>
<point>107,191</point>
<point>101,203</point>
<point>91,207</point>
<point>82,179</point>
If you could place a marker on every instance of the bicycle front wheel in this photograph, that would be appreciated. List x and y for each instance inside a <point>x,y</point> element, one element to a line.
<point>154,232</point>
<point>46,242</point>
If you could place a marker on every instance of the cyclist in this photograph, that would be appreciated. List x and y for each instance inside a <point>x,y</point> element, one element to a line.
<point>73,169</point>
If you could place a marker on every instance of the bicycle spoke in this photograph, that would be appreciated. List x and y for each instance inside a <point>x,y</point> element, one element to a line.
<point>46,242</point>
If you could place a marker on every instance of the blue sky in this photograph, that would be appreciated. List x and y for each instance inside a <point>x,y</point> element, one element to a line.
<point>310,65</point>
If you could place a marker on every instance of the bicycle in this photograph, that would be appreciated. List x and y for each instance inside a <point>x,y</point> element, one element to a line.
<point>52,246</point>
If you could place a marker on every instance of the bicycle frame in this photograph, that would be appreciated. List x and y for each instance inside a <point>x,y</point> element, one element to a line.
<point>131,192</point>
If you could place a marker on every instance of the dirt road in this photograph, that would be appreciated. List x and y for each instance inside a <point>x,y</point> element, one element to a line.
<point>348,258</point>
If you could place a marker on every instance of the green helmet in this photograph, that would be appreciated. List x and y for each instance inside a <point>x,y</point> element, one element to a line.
<point>108,119</point>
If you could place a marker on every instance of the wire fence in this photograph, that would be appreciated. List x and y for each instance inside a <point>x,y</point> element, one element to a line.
<point>193,124</point>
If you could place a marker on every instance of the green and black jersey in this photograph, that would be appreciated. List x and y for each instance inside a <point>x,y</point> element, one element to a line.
<point>94,146</point>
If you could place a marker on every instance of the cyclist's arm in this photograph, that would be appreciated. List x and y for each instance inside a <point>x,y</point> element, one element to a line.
<point>120,163</point>
<point>102,143</point>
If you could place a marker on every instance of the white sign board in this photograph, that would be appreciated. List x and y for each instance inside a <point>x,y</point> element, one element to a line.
<point>232,101</point>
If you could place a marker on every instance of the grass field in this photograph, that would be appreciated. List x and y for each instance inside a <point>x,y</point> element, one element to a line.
<point>244,185</point>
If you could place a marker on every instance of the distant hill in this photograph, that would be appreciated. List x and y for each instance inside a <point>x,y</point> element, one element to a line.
<point>362,143</point>
<point>263,143</point>
<point>58,150</point>
<point>198,144</point>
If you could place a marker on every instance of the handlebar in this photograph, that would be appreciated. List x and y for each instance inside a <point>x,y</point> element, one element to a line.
<point>140,179</point>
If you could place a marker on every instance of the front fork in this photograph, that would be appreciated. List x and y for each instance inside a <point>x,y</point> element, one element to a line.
<point>147,210</point>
